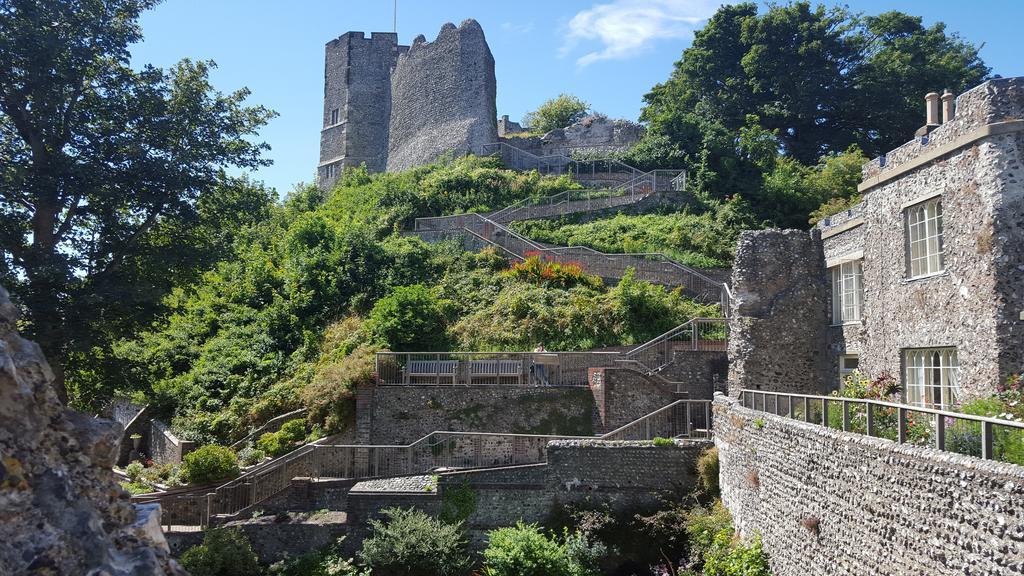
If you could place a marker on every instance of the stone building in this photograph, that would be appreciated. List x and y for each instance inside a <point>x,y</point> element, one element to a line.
<point>926,273</point>
<point>392,115</point>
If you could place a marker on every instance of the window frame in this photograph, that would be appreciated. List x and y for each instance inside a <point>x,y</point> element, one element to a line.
<point>844,372</point>
<point>847,280</point>
<point>921,368</point>
<point>924,243</point>
<point>335,115</point>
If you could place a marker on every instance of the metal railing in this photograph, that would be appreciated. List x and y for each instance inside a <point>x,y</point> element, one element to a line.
<point>653,267</point>
<point>490,368</point>
<point>697,335</point>
<point>437,450</point>
<point>558,164</point>
<point>980,436</point>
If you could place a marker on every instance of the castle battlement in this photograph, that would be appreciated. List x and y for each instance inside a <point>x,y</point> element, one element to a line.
<point>390,106</point>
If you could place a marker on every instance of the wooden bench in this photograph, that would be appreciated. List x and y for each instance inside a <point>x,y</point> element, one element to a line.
<point>496,370</point>
<point>437,369</point>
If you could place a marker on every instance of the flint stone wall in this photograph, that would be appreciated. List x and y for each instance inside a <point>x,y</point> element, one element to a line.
<point>165,447</point>
<point>61,509</point>
<point>357,83</point>
<point>975,304</point>
<point>847,504</point>
<point>778,330</point>
<point>443,98</point>
<point>404,414</point>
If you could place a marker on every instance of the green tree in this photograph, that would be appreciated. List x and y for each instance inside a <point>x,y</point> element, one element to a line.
<point>555,113</point>
<point>107,167</point>
<point>224,552</point>
<point>408,542</point>
<point>410,318</point>
<point>741,64</point>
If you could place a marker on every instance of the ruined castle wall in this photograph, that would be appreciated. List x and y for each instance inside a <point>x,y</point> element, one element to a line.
<point>778,330</point>
<point>357,102</point>
<point>847,504</point>
<point>404,414</point>
<point>443,95</point>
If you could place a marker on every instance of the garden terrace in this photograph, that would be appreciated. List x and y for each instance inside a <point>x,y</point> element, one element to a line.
<point>437,450</point>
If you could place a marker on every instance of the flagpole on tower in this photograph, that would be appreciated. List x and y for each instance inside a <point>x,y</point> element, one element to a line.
<point>394,18</point>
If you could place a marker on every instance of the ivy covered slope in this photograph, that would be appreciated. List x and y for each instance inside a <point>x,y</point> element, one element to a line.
<point>309,293</point>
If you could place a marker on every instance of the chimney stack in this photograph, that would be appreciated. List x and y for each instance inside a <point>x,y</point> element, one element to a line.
<point>932,108</point>
<point>948,106</point>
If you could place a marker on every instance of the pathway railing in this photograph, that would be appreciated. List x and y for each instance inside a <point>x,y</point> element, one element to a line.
<point>697,335</point>
<point>980,436</point>
<point>653,267</point>
<point>558,164</point>
<point>437,450</point>
<point>490,368</point>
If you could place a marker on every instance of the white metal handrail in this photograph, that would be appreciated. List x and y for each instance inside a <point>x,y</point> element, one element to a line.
<point>938,419</point>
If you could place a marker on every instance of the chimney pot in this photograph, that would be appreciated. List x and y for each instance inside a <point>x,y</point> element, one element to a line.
<point>948,106</point>
<point>932,108</point>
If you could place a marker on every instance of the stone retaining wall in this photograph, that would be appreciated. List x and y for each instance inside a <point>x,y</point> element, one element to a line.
<point>404,414</point>
<point>165,447</point>
<point>836,503</point>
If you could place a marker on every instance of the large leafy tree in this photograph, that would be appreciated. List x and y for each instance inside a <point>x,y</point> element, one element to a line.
<point>820,78</point>
<point>112,182</point>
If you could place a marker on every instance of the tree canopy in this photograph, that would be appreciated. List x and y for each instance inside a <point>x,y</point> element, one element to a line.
<point>558,112</point>
<point>113,185</point>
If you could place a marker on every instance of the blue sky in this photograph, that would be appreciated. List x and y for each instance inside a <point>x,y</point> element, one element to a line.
<point>608,52</point>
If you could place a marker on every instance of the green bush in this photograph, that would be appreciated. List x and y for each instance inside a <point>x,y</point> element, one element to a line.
<point>727,557</point>
<point>410,318</point>
<point>663,442</point>
<point>134,471</point>
<point>326,562</point>
<point>708,470</point>
<point>208,464</point>
<point>250,456</point>
<point>284,440</point>
<point>224,552</point>
<point>524,550</point>
<point>409,542</point>
<point>134,488</point>
<point>558,112</point>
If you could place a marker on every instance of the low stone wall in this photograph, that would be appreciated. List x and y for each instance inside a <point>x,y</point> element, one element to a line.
<point>273,540</point>
<point>847,504</point>
<point>165,447</point>
<point>404,414</point>
<point>135,420</point>
<point>624,474</point>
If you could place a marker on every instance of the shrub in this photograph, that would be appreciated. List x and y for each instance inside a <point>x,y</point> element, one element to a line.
<point>524,550</point>
<point>208,464</point>
<point>224,552</point>
<point>326,562</point>
<point>249,456</point>
<point>663,442</point>
<point>134,488</point>
<point>410,542</point>
<point>727,557</point>
<point>134,471</point>
<point>284,440</point>
<point>556,113</point>
<point>410,318</point>
<point>708,470</point>
<point>537,270</point>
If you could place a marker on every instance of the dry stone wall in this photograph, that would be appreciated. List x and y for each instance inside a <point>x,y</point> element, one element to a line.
<point>443,98</point>
<point>778,330</point>
<point>61,511</point>
<point>844,504</point>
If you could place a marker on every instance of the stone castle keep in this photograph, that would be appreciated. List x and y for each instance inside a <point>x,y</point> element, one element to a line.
<point>393,107</point>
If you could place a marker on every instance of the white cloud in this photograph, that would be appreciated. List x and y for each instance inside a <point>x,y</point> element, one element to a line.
<point>624,28</point>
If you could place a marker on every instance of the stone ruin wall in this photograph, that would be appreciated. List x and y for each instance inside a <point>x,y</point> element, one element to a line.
<point>849,505</point>
<point>443,98</point>
<point>61,510</point>
<point>357,84</point>
<point>778,329</point>
<point>976,302</point>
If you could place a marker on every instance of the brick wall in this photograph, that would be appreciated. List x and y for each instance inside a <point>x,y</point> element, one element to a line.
<point>844,504</point>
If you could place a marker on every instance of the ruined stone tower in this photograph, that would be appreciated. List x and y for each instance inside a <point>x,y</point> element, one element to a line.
<point>392,110</point>
<point>357,102</point>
